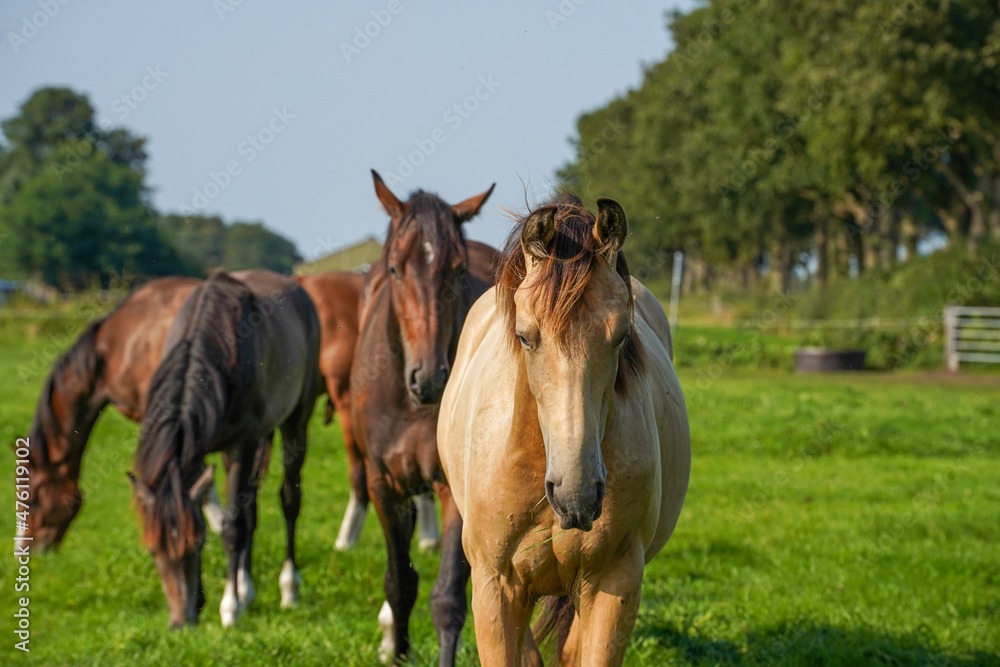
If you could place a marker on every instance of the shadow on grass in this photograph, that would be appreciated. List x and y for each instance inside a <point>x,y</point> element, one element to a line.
<point>809,643</point>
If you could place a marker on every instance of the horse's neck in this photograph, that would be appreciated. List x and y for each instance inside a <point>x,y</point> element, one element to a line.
<point>526,433</point>
<point>65,440</point>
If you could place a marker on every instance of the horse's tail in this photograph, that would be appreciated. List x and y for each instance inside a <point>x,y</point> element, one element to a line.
<point>555,616</point>
<point>189,399</point>
<point>83,361</point>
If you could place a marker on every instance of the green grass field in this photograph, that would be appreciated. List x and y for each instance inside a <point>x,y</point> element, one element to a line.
<point>830,520</point>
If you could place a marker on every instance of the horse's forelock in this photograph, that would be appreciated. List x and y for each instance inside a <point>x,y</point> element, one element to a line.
<point>432,218</point>
<point>168,523</point>
<point>559,280</point>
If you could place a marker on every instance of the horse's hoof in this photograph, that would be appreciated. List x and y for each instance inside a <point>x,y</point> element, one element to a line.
<point>387,649</point>
<point>244,588</point>
<point>229,608</point>
<point>289,582</point>
<point>344,544</point>
<point>229,616</point>
<point>429,544</point>
<point>214,512</point>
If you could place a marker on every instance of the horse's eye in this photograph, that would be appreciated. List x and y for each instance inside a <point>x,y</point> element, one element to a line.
<point>621,340</point>
<point>523,341</point>
<point>393,271</point>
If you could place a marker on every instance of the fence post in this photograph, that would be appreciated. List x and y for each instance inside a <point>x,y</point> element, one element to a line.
<point>675,287</point>
<point>950,344</point>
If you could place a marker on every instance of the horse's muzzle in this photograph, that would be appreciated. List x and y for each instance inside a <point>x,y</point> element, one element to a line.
<point>426,388</point>
<point>572,513</point>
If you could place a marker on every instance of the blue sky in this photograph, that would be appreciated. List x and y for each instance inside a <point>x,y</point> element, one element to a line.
<point>257,110</point>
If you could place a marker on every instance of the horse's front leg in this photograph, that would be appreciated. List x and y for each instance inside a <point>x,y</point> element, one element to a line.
<point>448,603</point>
<point>293,438</point>
<point>397,515</point>
<point>609,606</point>
<point>502,613</point>
<point>357,504</point>
<point>248,509</point>
<point>235,528</point>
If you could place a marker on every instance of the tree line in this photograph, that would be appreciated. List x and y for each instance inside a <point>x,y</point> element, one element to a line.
<point>791,141</point>
<point>75,209</point>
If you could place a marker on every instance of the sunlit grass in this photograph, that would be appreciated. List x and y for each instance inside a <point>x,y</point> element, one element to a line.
<point>844,520</point>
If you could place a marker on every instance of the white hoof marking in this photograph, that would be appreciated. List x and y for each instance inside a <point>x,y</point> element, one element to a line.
<point>289,582</point>
<point>244,587</point>
<point>427,523</point>
<point>387,649</point>
<point>229,608</point>
<point>214,512</point>
<point>351,526</point>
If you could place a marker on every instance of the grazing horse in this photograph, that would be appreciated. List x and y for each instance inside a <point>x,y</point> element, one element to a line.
<point>111,362</point>
<point>241,359</point>
<point>335,295</point>
<point>563,389</point>
<point>413,303</point>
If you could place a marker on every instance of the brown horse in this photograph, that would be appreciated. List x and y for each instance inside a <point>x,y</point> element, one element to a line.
<point>413,304</point>
<point>563,389</point>
<point>111,362</point>
<point>241,359</point>
<point>336,296</point>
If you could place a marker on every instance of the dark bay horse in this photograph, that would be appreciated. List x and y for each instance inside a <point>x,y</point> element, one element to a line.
<point>413,303</point>
<point>336,295</point>
<point>241,359</point>
<point>111,362</point>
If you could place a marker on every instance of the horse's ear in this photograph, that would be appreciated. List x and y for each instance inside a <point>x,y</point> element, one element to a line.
<point>611,228</point>
<point>392,206</point>
<point>142,492</point>
<point>202,485</point>
<point>468,209</point>
<point>538,231</point>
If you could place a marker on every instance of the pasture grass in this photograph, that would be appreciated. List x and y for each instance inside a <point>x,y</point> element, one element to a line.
<point>841,520</point>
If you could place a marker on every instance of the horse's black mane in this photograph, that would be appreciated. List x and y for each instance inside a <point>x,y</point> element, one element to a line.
<point>188,401</point>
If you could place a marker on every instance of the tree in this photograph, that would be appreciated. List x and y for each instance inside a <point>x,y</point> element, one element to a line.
<point>73,201</point>
<point>802,137</point>
<point>250,245</point>
<point>85,223</point>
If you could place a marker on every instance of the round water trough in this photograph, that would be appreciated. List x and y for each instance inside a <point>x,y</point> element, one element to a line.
<point>824,360</point>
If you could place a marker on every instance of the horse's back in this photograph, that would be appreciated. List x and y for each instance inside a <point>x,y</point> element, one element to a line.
<point>290,332</point>
<point>336,296</point>
<point>130,341</point>
<point>669,411</point>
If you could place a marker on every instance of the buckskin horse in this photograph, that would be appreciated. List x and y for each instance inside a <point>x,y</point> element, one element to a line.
<point>240,360</point>
<point>563,390</point>
<point>413,303</point>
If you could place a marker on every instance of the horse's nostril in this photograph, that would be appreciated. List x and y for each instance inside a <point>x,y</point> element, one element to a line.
<point>414,383</point>
<point>550,490</point>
